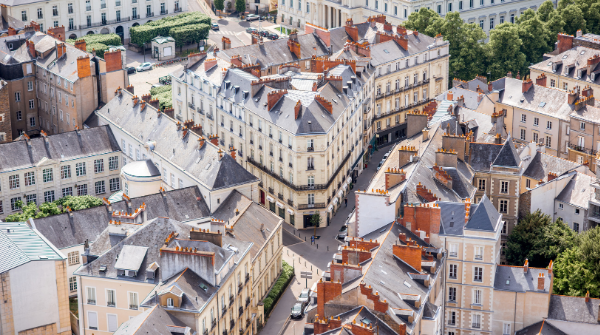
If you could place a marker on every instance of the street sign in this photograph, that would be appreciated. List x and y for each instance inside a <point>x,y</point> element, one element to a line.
<point>305,274</point>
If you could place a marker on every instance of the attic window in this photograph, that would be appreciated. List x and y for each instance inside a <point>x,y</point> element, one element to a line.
<point>522,99</point>
<point>542,104</point>
<point>549,63</point>
<point>451,223</point>
<point>386,51</point>
<point>334,101</point>
<point>407,284</point>
<point>565,56</point>
<point>103,268</point>
<point>203,287</point>
<point>365,321</point>
<point>582,52</point>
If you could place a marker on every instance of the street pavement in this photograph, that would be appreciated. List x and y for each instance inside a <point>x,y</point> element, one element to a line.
<point>307,257</point>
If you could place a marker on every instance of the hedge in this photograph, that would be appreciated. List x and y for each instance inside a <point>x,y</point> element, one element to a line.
<point>164,96</point>
<point>98,42</point>
<point>193,33</point>
<point>143,34</point>
<point>287,273</point>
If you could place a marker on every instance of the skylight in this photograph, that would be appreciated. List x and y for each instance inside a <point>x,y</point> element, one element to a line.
<point>386,51</point>
<point>542,104</point>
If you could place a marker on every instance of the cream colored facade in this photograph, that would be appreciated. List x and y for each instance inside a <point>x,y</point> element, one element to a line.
<point>46,181</point>
<point>81,17</point>
<point>469,284</point>
<point>584,139</point>
<point>407,84</point>
<point>486,13</point>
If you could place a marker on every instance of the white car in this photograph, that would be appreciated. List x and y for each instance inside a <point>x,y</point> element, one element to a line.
<point>144,67</point>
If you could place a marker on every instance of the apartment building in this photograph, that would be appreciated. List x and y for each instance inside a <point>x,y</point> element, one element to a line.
<point>84,17</point>
<point>251,222</point>
<point>35,296</point>
<point>573,62</point>
<point>486,13</point>
<point>5,119</point>
<point>389,282</point>
<point>118,283</point>
<point>54,86</point>
<point>88,226</point>
<point>49,167</point>
<point>180,152</point>
<point>410,69</point>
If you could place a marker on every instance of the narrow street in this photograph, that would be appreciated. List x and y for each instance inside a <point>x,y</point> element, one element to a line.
<point>314,258</point>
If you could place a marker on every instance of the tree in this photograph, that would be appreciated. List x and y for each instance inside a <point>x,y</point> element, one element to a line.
<point>240,5</point>
<point>421,20</point>
<point>573,18</point>
<point>505,51</point>
<point>59,206</point>
<point>545,10</point>
<point>219,5</point>
<point>539,240</point>
<point>534,35</point>
<point>193,33</point>
<point>592,20</point>
<point>555,25</point>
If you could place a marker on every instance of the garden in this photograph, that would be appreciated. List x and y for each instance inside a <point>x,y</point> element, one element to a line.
<point>287,273</point>
<point>99,42</point>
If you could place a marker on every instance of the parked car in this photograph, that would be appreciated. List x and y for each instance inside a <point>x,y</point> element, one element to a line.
<point>131,70</point>
<point>214,26</point>
<point>387,154</point>
<point>297,311</point>
<point>380,164</point>
<point>264,33</point>
<point>343,232</point>
<point>156,85</point>
<point>273,36</point>
<point>252,17</point>
<point>304,296</point>
<point>144,67</point>
<point>251,30</point>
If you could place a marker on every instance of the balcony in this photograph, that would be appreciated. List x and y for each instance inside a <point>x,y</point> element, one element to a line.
<point>290,165</point>
<point>164,12</point>
<point>110,304</point>
<point>311,206</point>
<point>205,332</point>
<point>134,307</point>
<point>271,190</point>
<point>476,325</point>
<point>400,89</point>
<point>310,167</point>
<point>290,203</point>
<point>310,149</point>
<point>241,310</point>
<point>177,10</point>
<point>191,105</point>
<point>213,324</point>
<point>247,274</point>
<point>247,302</point>
<point>135,17</point>
<point>231,298</point>
<point>400,109</point>
<point>104,23</point>
<point>209,116</point>
<point>280,196</point>
<point>260,184</point>
<point>199,110</point>
<point>224,310</point>
<point>581,149</point>
<point>91,301</point>
<point>240,285</point>
<point>231,324</point>
<point>149,14</point>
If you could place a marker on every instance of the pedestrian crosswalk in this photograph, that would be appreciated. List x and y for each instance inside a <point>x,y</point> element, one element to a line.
<point>224,32</point>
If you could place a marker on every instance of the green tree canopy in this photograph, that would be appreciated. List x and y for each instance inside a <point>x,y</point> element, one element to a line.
<point>421,20</point>
<point>534,35</point>
<point>219,4</point>
<point>193,33</point>
<point>545,10</point>
<point>240,5</point>
<point>572,15</point>
<point>538,239</point>
<point>145,33</point>
<point>505,51</point>
<point>31,210</point>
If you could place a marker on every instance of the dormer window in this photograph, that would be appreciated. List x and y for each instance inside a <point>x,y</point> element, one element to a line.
<point>170,302</point>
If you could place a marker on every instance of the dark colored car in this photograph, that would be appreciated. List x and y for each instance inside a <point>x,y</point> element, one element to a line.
<point>251,30</point>
<point>273,36</point>
<point>264,33</point>
<point>131,70</point>
<point>297,311</point>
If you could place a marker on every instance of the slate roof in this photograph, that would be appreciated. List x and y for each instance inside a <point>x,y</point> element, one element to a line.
<point>470,97</point>
<point>578,191</point>
<point>88,224</point>
<point>60,147</point>
<point>544,100</point>
<point>573,309</point>
<point>19,244</point>
<point>151,235</point>
<point>66,66</point>
<point>483,155</point>
<point>452,220</point>
<point>15,56</point>
<point>277,52</point>
<point>131,257</point>
<point>247,223</point>
<point>186,284</point>
<point>153,321</point>
<point>518,280</point>
<point>508,156</point>
<point>143,168</point>
<point>543,163</point>
<point>540,328</point>
<point>484,216</point>
<point>213,74</point>
<point>146,125</point>
<point>576,56</point>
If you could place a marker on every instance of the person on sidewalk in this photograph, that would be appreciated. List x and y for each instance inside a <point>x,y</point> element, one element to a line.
<point>346,202</point>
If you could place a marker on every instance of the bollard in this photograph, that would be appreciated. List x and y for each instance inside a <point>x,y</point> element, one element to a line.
<point>327,248</point>
<point>317,246</point>
<point>304,238</point>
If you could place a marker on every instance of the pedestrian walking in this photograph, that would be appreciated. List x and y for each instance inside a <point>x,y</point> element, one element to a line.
<point>346,202</point>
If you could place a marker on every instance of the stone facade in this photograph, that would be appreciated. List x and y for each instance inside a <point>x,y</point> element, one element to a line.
<point>5,116</point>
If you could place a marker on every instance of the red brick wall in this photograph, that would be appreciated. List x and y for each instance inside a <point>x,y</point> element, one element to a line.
<point>409,254</point>
<point>83,67</point>
<point>349,255</point>
<point>362,330</point>
<point>273,97</point>
<point>326,291</point>
<point>352,31</point>
<point>362,244</point>
<point>565,42</point>
<point>113,60</point>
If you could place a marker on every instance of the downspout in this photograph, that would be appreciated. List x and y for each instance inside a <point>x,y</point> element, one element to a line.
<point>515,313</point>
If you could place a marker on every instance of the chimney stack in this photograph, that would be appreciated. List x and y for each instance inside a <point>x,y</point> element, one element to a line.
<point>130,89</point>
<point>526,266</point>
<point>526,85</point>
<point>541,281</point>
<point>572,97</point>
<point>541,80</point>
<point>81,45</point>
<point>214,139</point>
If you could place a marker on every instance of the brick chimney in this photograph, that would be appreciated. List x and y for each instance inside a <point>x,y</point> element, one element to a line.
<point>354,256</point>
<point>232,152</point>
<point>450,96</point>
<point>442,176</point>
<point>84,69</point>
<point>297,109</point>
<point>200,234</point>
<point>130,89</point>
<point>324,103</point>
<point>12,31</point>
<point>226,43</point>
<point>564,43</point>
<point>294,45</point>
<point>326,291</point>
<point>572,97</point>
<point>446,158</point>
<point>410,254</point>
<point>146,97</point>
<point>273,97</point>
<point>57,32</point>
<point>401,30</point>
<point>406,155</point>
<point>214,139</point>
<point>394,177</point>
<point>541,80</point>
<point>587,91</point>
<point>209,63</point>
<point>351,30</point>
<point>490,86</point>
<point>551,176</point>
<point>425,193</point>
<point>113,60</point>
<point>31,48</point>
<point>526,266</point>
<point>587,297</point>
<point>509,74</point>
<point>423,218</point>
<point>519,75</point>
<point>61,50</point>
<point>81,45</point>
<point>201,141</point>
<point>154,103</point>
<point>526,85</point>
<point>541,281</point>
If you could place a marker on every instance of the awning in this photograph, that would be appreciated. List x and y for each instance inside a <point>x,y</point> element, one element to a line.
<point>335,201</point>
<point>345,186</point>
<point>341,193</point>
<point>291,212</point>
<point>270,198</point>
<point>280,205</point>
<point>330,208</point>
<point>349,180</point>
